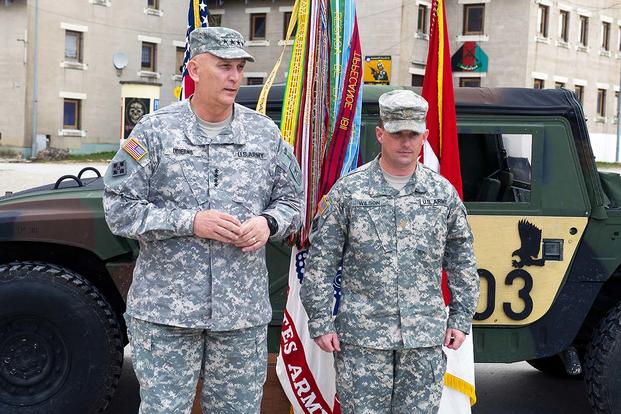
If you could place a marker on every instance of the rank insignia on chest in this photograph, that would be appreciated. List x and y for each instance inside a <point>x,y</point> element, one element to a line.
<point>118,168</point>
<point>135,149</point>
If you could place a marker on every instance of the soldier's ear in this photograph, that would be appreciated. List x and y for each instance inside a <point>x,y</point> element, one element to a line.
<point>193,69</point>
<point>379,134</point>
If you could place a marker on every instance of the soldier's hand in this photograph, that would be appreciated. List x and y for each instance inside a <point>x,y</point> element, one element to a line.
<point>329,342</point>
<point>454,338</point>
<point>216,225</point>
<point>254,234</point>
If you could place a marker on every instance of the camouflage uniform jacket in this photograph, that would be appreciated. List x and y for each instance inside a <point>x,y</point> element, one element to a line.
<point>394,245</point>
<point>246,170</point>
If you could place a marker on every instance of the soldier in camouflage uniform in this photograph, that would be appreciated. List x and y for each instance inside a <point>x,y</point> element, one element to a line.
<point>202,184</point>
<point>395,224</point>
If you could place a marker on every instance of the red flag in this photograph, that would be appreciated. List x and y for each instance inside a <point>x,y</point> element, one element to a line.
<point>441,119</point>
<point>438,91</point>
<point>441,152</point>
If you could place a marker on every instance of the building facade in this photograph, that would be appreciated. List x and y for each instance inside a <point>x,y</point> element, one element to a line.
<point>103,63</point>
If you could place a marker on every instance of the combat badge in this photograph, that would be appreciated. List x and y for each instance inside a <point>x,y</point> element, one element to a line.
<point>135,149</point>
<point>118,168</point>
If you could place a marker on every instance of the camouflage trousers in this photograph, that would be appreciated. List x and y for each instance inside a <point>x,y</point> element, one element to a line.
<point>377,381</point>
<point>168,361</point>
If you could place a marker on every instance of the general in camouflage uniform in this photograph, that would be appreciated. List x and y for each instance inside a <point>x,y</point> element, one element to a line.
<point>395,224</point>
<point>202,184</point>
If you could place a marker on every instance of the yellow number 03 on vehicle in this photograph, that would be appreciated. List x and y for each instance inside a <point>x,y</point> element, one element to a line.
<point>523,266</point>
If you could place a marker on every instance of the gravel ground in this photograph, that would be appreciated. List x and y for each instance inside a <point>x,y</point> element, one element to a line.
<point>17,176</point>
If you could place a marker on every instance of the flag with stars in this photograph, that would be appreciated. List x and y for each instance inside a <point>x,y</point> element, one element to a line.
<point>198,16</point>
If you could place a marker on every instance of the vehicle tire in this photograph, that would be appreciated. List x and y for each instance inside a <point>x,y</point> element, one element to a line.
<point>61,349</point>
<point>603,363</point>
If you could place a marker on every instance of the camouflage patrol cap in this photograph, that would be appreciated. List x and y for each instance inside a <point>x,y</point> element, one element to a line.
<point>403,110</point>
<point>222,42</point>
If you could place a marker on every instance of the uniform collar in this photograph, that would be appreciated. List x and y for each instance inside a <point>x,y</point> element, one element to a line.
<point>226,136</point>
<point>378,186</point>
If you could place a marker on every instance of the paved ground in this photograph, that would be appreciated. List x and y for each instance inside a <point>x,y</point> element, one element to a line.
<point>501,388</point>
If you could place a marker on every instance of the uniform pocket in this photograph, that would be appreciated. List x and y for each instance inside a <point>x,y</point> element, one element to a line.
<point>197,178</point>
<point>437,365</point>
<point>139,335</point>
<point>373,228</point>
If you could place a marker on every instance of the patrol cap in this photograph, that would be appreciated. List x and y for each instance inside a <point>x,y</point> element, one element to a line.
<point>222,42</point>
<point>402,110</point>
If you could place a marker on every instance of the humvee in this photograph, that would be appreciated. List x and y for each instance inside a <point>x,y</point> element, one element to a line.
<point>547,231</point>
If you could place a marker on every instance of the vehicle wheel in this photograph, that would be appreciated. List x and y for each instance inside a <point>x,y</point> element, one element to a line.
<point>61,349</point>
<point>603,363</point>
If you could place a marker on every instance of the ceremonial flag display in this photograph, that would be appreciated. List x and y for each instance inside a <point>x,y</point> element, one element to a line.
<point>321,119</point>
<point>441,153</point>
<point>198,16</point>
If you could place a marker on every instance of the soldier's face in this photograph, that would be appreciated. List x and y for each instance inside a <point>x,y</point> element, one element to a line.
<point>401,149</point>
<point>217,80</point>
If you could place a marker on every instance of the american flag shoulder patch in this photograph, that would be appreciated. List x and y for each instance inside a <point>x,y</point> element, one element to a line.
<point>135,149</point>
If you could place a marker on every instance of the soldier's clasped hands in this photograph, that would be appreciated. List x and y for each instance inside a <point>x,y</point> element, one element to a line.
<point>216,225</point>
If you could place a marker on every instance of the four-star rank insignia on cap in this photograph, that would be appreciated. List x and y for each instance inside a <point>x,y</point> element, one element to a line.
<point>135,149</point>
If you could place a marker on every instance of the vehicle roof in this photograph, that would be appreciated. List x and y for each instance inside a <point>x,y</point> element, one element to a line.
<point>523,101</point>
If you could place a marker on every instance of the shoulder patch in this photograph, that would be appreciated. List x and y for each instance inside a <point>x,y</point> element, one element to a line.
<point>323,205</point>
<point>135,149</point>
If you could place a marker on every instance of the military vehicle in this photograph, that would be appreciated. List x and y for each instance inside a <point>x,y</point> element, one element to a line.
<point>547,230</point>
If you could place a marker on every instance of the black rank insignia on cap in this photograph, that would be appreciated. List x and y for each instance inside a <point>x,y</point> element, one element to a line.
<point>118,168</point>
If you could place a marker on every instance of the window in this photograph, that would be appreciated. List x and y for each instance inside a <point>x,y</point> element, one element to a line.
<point>563,26</point>
<point>73,46</point>
<point>215,20</point>
<point>605,36</point>
<point>601,102</point>
<point>538,84</point>
<point>559,85</point>
<point>474,15</point>
<point>496,166</point>
<point>255,81</point>
<point>147,60</point>
<point>542,20</point>
<point>257,26</point>
<point>417,80</point>
<point>470,82</point>
<point>584,31</point>
<point>423,18</point>
<point>180,53</point>
<point>285,25</point>
<point>579,89</point>
<point>153,4</point>
<point>71,114</point>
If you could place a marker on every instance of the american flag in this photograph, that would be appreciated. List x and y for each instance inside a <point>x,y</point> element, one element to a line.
<point>198,16</point>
